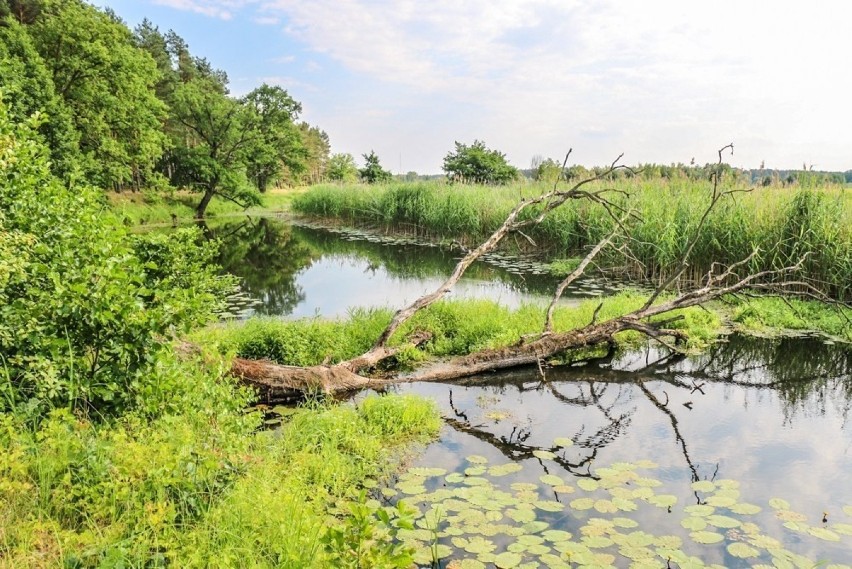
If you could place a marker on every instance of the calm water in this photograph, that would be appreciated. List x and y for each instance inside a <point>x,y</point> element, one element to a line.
<point>770,415</point>
<point>298,271</point>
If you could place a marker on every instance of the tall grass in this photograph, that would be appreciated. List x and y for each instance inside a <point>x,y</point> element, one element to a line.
<point>785,223</point>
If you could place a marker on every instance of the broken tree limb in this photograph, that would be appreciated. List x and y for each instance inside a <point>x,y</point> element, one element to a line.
<point>278,382</point>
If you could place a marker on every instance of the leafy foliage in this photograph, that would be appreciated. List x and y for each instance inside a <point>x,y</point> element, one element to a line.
<point>85,309</point>
<point>372,172</point>
<point>478,164</point>
<point>342,168</point>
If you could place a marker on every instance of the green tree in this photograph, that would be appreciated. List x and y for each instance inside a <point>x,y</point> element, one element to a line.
<point>372,172</point>
<point>27,87</point>
<point>478,164</point>
<point>279,145</point>
<point>108,85</point>
<point>211,135</point>
<point>317,146</point>
<point>548,171</point>
<point>342,168</point>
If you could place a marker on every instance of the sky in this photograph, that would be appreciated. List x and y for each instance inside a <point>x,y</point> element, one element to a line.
<point>661,81</point>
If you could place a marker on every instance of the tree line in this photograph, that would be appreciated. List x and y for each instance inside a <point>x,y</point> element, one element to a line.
<point>136,109</point>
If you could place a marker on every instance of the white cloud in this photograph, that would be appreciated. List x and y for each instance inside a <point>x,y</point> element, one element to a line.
<point>222,9</point>
<point>266,20</point>
<point>652,78</point>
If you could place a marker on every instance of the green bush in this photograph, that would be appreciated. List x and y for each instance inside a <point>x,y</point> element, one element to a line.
<point>85,308</point>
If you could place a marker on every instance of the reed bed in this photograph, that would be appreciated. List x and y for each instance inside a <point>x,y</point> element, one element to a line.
<point>784,223</point>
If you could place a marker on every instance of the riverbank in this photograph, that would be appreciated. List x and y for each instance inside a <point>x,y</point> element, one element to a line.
<point>208,486</point>
<point>460,327</point>
<point>151,208</point>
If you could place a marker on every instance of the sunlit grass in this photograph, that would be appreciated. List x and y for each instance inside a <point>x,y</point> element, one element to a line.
<point>783,223</point>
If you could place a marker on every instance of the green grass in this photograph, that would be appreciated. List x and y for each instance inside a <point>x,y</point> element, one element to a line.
<point>144,208</point>
<point>784,223</point>
<point>198,488</point>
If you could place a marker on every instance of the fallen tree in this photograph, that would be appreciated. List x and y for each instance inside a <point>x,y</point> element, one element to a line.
<point>277,382</point>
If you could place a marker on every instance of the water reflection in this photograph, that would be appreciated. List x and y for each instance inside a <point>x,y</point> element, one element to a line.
<point>770,414</point>
<point>294,270</point>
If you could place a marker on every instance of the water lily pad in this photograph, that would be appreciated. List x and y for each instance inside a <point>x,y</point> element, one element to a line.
<point>454,478</point>
<point>477,544</point>
<point>550,505</point>
<point>745,509</point>
<point>699,510</point>
<point>544,454</point>
<point>706,537</point>
<point>703,486</point>
<point>555,535</point>
<point>790,516</point>
<point>624,523</point>
<point>824,534</point>
<point>389,492</point>
<point>535,527</point>
<point>845,529</point>
<point>507,560</point>
<point>465,564</point>
<point>551,480</point>
<point>596,541</point>
<point>476,459</point>
<point>779,503</point>
<point>605,507</point>
<point>563,489</point>
<point>477,470</point>
<point>663,500</point>
<point>648,482</point>
<point>646,464</point>
<point>624,505</point>
<point>724,522</point>
<point>693,523</point>
<point>721,501</point>
<point>523,486</point>
<point>476,481</point>
<point>588,484</point>
<point>741,550</point>
<point>562,442</point>
<point>504,469</point>
<point>847,510</point>
<point>582,504</point>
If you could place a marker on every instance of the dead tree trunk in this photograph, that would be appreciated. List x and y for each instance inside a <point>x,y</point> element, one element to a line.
<point>278,382</point>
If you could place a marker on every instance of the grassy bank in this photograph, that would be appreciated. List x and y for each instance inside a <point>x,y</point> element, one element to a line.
<point>784,223</point>
<point>461,327</point>
<point>203,487</point>
<point>143,208</point>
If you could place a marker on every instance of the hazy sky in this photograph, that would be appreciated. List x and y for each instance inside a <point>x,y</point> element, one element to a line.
<point>660,80</point>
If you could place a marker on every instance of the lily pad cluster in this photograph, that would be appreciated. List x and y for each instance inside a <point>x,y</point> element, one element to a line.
<point>479,518</point>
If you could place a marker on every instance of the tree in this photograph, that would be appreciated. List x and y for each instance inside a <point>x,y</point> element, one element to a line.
<point>108,85</point>
<point>211,136</point>
<point>479,165</point>
<point>547,171</point>
<point>279,144</point>
<point>372,172</point>
<point>27,87</point>
<point>342,168</point>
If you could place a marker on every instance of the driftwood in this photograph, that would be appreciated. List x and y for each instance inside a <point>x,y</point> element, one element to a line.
<point>278,382</point>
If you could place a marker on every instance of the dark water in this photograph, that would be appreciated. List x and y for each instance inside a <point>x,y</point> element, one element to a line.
<point>296,271</point>
<point>771,415</point>
<point>766,419</point>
